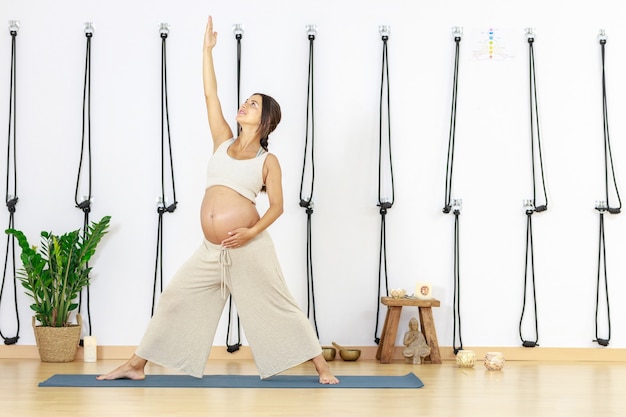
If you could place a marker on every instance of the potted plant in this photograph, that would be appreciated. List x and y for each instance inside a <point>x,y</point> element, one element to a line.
<point>53,276</point>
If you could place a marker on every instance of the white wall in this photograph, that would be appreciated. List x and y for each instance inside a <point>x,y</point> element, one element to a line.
<point>492,168</point>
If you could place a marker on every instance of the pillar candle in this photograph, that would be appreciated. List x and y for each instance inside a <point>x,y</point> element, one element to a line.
<point>90,349</point>
<point>424,290</point>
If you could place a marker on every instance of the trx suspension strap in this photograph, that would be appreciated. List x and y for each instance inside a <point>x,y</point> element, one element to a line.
<point>532,206</point>
<point>11,183</point>
<point>238,31</point>
<point>384,203</point>
<point>536,155</point>
<point>163,200</point>
<point>307,203</point>
<point>451,137</point>
<point>451,205</point>
<point>84,203</point>
<point>456,210</point>
<point>604,206</point>
<point>608,157</point>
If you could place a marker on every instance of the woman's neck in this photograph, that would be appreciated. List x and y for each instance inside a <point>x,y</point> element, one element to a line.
<point>247,141</point>
<point>248,135</point>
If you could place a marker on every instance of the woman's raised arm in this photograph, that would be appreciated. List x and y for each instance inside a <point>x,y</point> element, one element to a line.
<point>220,130</point>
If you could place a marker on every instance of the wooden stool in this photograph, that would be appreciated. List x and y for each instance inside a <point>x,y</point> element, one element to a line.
<point>390,328</point>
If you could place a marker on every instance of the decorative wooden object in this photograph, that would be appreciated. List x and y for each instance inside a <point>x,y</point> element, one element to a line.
<point>392,320</point>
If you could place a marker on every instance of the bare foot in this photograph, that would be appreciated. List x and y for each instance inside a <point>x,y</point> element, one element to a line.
<point>133,369</point>
<point>322,368</point>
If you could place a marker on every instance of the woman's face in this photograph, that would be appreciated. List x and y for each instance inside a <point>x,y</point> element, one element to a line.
<point>250,111</point>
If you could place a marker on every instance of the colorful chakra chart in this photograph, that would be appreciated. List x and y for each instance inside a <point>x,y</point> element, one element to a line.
<point>491,46</point>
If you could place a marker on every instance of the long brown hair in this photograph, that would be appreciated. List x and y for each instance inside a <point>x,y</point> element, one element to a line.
<point>270,117</point>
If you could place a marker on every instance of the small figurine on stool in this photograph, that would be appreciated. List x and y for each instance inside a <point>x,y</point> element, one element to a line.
<point>415,342</point>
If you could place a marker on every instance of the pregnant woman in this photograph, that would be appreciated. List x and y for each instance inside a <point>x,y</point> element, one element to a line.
<point>237,256</point>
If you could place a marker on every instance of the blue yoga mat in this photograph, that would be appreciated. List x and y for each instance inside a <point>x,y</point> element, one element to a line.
<point>234,381</point>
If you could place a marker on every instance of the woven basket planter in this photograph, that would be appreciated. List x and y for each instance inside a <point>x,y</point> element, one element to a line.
<point>58,344</point>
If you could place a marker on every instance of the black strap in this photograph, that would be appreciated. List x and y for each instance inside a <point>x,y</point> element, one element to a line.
<point>529,256</point>
<point>451,205</point>
<point>307,202</point>
<point>11,184</point>
<point>84,203</point>
<point>536,153</point>
<point>602,267</point>
<point>532,206</point>
<point>451,137</point>
<point>605,206</point>
<point>456,306</point>
<point>384,203</point>
<point>163,206</point>
<point>238,31</point>
<point>608,155</point>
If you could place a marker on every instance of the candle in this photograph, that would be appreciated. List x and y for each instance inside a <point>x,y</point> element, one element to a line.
<point>465,359</point>
<point>424,290</point>
<point>494,361</point>
<point>90,349</point>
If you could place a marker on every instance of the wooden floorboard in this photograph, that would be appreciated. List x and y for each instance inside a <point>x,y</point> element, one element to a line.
<point>522,388</point>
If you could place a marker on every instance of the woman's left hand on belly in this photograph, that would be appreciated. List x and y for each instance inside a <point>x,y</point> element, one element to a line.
<point>237,238</point>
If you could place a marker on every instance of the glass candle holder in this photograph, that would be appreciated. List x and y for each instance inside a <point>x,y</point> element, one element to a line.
<point>494,361</point>
<point>465,358</point>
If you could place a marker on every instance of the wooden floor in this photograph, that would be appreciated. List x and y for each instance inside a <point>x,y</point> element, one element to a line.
<point>522,388</point>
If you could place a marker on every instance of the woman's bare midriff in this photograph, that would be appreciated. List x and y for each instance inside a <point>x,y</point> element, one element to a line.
<point>224,210</point>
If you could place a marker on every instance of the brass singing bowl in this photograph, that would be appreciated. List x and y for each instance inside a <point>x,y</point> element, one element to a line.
<point>329,353</point>
<point>348,354</point>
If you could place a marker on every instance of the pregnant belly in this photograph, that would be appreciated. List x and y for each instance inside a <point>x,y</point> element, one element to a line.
<point>224,210</point>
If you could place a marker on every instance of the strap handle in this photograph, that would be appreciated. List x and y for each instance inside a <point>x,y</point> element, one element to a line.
<point>11,198</point>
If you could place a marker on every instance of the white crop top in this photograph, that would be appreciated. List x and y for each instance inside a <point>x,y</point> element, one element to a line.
<point>242,175</point>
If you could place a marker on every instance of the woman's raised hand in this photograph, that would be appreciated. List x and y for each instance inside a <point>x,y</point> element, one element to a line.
<point>210,37</point>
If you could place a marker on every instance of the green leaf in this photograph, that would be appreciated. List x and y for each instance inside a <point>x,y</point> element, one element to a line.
<point>55,274</point>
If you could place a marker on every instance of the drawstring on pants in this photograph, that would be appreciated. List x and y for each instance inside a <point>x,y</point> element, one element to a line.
<point>225,263</point>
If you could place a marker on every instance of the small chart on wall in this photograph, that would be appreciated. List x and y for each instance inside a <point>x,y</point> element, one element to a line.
<point>491,44</point>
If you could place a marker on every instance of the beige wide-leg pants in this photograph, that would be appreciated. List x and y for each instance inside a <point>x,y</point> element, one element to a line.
<point>181,332</point>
